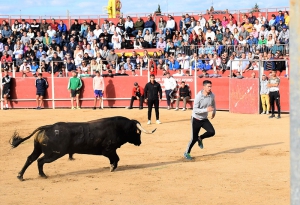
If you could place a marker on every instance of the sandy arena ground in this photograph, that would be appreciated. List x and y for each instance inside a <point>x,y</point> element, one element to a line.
<point>247,162</point>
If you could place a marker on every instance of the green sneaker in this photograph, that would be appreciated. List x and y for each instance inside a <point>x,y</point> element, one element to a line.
<point>200,143</point>
<point>187,156</point>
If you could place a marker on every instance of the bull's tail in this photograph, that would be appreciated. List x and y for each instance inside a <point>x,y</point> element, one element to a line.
<point>15,140</point>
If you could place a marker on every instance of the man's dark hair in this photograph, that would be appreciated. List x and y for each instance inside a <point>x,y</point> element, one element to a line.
<point>152,75</point>
<point>206,82</point>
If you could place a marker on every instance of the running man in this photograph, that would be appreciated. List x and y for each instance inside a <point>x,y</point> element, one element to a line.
<point>6,83</point>
<point>203,104</point>
<point>74,86</point>
<point>41,85</point>
<point>273,85</point>
<point>153,95</point>
<point>98,86</point>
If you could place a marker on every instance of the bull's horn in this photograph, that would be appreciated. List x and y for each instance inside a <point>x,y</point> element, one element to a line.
<point>143,130</point>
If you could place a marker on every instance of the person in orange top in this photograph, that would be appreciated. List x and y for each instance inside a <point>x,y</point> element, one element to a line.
<point>137,94</point>
<point>248,26</point>
<point>152,67</point>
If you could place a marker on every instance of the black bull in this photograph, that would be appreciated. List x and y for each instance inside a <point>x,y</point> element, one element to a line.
<point>98,137</point>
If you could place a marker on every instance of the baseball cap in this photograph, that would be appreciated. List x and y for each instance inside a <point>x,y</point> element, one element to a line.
<point>43,53</point>
<point>284,27</point>
<point>135,84</point>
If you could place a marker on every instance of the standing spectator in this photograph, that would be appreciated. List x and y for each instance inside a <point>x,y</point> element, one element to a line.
<point>153,94</point>
<point>170,86</point>
<point>74,86</point>
<point>137,94</point>
<point>41,85</point>
<point>6,85</point>
<point>273,85</point>
<point>98,87</point>
<point>264,95</point>
<point>184,95</point>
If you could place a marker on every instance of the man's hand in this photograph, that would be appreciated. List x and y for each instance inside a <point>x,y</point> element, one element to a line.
<point>137,97</point>
<point>210,108</point>
<point>213,115</point>
<point>146,100</point>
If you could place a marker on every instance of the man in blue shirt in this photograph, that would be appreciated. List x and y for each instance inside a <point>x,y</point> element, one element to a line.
<point>149,25</point>
<point>279,17</point>
<point>173,64</point>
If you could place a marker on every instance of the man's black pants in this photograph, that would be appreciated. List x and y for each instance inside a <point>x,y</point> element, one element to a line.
<point>275,97</point>
<point>196,126</point>
<point>133,98</point>
<point>152,102</point>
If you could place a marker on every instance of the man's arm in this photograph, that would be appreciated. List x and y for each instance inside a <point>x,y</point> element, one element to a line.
<point>160,92</point>
<point>146,92</point>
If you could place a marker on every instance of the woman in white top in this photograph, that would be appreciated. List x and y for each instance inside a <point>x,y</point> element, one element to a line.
<point>137,44</point>
<point>273,32</point>
<point>30,34</point>
<point>50,52</point>
<point>148,37</point>
<point>78,59</point>
<point>242,41</point>
<point>94,44</point>
<point>111,28</point>
<point>59,52</point>
<point>77,52</point>
<point>270,41</point>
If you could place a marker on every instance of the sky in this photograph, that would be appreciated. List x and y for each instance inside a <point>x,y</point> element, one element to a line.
<point>82,7</point>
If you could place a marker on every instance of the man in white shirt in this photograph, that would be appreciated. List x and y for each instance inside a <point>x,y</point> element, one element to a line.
<point>197,27</point>
<point>97,31</point>
<point>25,38</point>
<point>231,26</point>
<point>51,32</point>
<point>202,21</point>
<point>25,67</point>
<point>116,40</point>
<point>210,33</point>
<point>170,24</point>
<point>184,61</point>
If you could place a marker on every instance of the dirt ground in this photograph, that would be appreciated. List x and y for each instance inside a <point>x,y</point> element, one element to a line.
<point>247,162</point>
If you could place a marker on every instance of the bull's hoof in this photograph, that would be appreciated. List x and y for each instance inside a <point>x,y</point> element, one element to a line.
<point>20,178</point>
<point>112,168</point>
<point>71,158</point>
<point>43,176</point>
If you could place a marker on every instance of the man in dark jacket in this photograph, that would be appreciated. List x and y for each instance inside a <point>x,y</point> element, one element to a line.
<point>184,94</point>
<point>41,87</point>
<point>75,27</point>
<point>149,25</point>
<point>153,94</point>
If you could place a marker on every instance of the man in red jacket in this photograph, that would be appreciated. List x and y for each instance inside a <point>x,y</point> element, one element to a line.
<point>137,94</point>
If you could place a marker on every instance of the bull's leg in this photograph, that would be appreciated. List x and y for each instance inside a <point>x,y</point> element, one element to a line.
<point>71,156</point>
<point>113,159</point>
<point>37,151</point>
<point>46,159</point>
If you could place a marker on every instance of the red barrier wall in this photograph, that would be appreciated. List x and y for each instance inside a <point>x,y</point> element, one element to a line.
<point>244,96</point>
<point>220,89</point>
<point>231,94</point>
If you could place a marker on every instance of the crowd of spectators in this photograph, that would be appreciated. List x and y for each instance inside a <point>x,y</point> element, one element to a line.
<point>191,43</point>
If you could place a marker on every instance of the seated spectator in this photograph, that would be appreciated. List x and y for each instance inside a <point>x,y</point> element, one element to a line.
<point>149,25</point>
<point>286,18</point>
<point>34,68</point>
<point>244,63</point>
<point>148,37</point>
<point>270,41</point>
<point>128,26</point>
<point>242,41</point>
<point>284,35</point>
<point>161,44</point>
<point>89,51</point>
<point>206,65</point>
<point>51,32</point>
<point>25,68</point>
<point>261,41</point>
<point>184,94</point>
<point>70,66</point>
<point>138,25</point>
<point>204,74</point>
<point>215,62</point>
<point>277,47</point>
<point>126,65</point>
<point>279,18</point>
<point>120,27</point>
<point>244,33</point>
<point>210,34</point>
<point>173,64</point>
<point>170,24</point>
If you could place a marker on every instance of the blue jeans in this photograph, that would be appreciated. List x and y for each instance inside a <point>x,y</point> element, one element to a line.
<point>144,31</point>
<point>135,32</point>
<point>169,96</point>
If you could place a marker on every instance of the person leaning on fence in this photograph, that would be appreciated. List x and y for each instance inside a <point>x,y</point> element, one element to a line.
<point>273,85</point>
<point>184,95</point>
<point>74,86</point>
<point>41,85</point>
<point>137,94</point>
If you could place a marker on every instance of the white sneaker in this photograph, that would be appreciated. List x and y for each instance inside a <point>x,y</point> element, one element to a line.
<point>263,113</point>
<point>267,112</point>
<point>149,122</point>
<point>176,109</point>
<point>183,109</point>
<point>168,108</point>
<point>158,122</point>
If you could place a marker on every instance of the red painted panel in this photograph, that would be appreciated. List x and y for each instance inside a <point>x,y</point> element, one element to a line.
<point>284,89</point>
<point>244,96</point>
<point>220,89</point>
